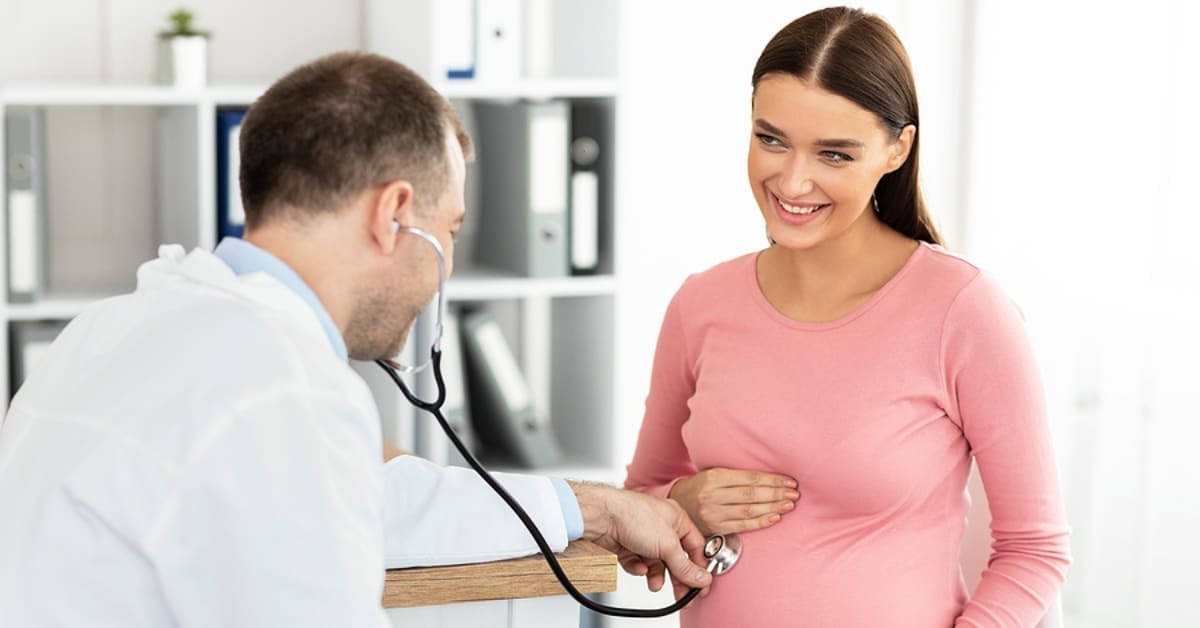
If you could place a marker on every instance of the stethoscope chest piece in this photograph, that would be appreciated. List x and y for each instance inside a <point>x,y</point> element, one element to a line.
<point>722,552</point>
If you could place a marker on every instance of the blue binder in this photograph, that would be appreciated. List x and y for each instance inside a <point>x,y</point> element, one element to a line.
<point>231,217</point>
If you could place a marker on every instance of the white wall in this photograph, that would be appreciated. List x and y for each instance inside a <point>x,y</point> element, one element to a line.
<point>1081,198</point>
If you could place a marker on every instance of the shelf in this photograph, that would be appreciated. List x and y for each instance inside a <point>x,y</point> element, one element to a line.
<point>100,94</point>
<point>529,89</point>
<point>482,287</point>
<point>167,96</point>
<point>469,288</point>
<point>49,309</point>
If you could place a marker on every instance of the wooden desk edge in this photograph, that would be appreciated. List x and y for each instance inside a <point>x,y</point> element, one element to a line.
<point>591,568</point>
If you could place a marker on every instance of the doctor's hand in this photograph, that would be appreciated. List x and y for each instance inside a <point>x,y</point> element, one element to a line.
<point>650,536</point>
<point>726,501</point>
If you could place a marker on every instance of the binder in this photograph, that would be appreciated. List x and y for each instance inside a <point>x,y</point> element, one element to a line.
<point>231,215</point>
<point>29,341</point>
<point>431,440</point>
<point>436,38</point>
<point>523,174</point>
<point>503,413</point>
<point>455,45</point>
<point>499,42</point>
<point>25,204</point>
<point>591,210</point>
<point>537,36</point>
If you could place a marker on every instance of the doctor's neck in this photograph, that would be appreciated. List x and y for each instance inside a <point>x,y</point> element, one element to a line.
<point>322,249</point>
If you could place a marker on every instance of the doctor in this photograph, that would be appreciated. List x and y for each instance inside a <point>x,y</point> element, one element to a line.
<point>199,452</point>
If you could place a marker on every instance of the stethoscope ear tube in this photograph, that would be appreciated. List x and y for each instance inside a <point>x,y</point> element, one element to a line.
<point>434,409</point>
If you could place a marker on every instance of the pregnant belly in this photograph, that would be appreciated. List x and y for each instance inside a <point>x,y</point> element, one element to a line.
<point>781,584</point>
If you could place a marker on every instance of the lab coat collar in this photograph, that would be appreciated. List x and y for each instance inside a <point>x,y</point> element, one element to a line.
<point>245,258</point>
<point>266,285</point>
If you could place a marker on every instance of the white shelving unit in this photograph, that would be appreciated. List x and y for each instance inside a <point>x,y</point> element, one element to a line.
<point>575,374</point>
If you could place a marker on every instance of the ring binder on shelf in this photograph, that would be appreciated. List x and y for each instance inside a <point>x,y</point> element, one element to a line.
<point>29,342</point>
<point>25,206</point>
<point>502,405</point>
<point>591,210</point>
<point>523,169</point>
<point>231,215</point>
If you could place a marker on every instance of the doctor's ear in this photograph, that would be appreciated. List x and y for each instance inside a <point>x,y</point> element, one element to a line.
<point>390,206</point>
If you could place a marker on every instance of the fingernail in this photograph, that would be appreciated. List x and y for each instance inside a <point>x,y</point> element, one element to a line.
<point>792,484</point>
<point>773,518</point>
<point>788,505</point>
<point>793,495</point>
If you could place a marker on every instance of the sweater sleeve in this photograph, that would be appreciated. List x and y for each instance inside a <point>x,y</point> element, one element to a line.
<point>996,397</point>
<point>661,457</point>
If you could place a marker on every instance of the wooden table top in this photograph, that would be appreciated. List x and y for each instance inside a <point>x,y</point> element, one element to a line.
<point>591,568</point>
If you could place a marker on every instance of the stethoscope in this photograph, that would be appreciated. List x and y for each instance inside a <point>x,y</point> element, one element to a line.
<point>722,551</point>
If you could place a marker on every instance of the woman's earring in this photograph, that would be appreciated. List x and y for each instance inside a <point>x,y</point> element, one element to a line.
<point>875,202</point>
<point>770,240</point>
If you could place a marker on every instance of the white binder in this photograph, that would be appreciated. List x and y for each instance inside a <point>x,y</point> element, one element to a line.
<point>25,205</point>
<point>498,37</point>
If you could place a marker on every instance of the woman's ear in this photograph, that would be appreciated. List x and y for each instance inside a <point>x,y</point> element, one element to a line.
<point>390,208</point>
<point>901,147</point>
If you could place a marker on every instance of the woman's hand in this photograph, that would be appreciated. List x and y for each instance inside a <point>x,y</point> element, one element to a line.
<point>725,501</point>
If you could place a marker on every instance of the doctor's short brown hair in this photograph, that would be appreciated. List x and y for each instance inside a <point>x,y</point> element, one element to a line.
<point>340,125</point>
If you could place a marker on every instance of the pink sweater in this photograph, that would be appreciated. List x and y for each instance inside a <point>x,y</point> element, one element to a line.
<point>876,415</point>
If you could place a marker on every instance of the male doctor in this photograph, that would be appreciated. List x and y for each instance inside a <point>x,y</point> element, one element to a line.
<point>200,453</point>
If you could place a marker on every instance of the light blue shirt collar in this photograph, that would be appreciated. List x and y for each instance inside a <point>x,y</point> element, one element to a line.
<point>245,258</point>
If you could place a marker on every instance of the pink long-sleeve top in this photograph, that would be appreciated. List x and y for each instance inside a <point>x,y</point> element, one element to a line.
<point>877,416</point>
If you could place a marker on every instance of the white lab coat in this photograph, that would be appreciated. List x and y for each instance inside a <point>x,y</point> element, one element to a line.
<point>196,454</point>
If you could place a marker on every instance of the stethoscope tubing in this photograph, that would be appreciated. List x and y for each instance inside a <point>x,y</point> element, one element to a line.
<point>434,409</point>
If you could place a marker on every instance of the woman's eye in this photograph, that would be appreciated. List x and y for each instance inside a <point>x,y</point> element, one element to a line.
<point>768,140</point>
<point>835,157</point>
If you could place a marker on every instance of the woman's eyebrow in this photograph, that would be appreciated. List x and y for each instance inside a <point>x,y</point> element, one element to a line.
<point>769,128</point>
<point>839,143</point>
<point>825,143</point>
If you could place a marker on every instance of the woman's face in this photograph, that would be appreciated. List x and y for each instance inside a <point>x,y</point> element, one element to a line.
<point>815,158</point>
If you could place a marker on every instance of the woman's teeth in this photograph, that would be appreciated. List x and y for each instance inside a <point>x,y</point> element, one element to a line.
<point>796,209</point>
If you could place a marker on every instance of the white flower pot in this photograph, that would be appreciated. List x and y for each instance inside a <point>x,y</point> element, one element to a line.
<point>186,61</point>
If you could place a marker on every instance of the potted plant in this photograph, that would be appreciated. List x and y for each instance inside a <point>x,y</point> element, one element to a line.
<point>184,52</point>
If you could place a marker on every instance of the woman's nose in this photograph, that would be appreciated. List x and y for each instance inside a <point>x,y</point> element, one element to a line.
<point>795,181</point>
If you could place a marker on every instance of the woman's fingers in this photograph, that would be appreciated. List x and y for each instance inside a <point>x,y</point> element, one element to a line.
<point>754,494</point>
<point>746,517</point>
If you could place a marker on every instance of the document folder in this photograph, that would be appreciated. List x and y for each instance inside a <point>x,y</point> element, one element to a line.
<point>29,342</point>
<point>25,205</point>
<point>523,173</point>
<point>502,408</point>
<point>591,211</point>
<point>231,215</point>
